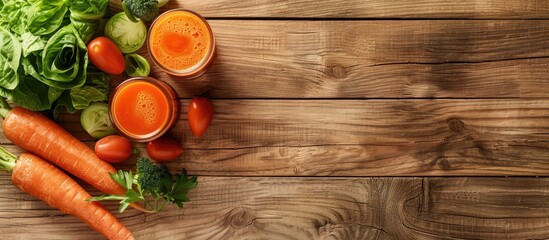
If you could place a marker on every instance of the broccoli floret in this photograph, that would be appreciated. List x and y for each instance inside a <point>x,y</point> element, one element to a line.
<point>155,186</point>
<point>151,176</point>
<point>146,10</point>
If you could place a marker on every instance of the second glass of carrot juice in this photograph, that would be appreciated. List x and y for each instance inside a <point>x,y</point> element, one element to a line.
<point>181,43</point>
<point>143,108</point>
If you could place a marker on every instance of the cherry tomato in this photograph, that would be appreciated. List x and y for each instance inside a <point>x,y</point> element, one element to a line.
<point>113,148</point>
<point>106,56</point>
<point>164,149</point>
<point>200,115</point>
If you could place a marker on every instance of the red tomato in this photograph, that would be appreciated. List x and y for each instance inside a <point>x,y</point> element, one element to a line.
<point>200,115</point>
<point>106,56</point>
<point>164,149</point>
<point>113,148</point>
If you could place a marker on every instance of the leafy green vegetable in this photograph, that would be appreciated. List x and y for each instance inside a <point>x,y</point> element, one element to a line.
<point>96,121</point>
<point>64,59</point>
<point>127,35</point>
<point>86,29</point>
<point>86,10</point>
<point>44,17</point>
<point>136,65</point>
<point>32,43</point>
<point>10,55</point>
<point>43,59</point>
<point>146,10</point>
<point>95,89</point>
<point>13,15</point>
<point>152,185</point>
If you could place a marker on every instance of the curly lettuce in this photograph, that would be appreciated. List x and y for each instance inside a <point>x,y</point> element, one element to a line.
<point>86,29</point>
<point>44,17</point>
<point>64,60</point>
<point>43,58</point>
<point>10,55</point>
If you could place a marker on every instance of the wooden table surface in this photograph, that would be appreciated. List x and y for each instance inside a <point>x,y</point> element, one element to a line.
<point>355,119</point>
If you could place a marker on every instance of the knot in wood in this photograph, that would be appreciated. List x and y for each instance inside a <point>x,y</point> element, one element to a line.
<point>337,71</point>
<point>456,125</point>
<point>240,217</point>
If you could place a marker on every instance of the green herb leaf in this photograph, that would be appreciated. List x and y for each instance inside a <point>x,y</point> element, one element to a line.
<point>123,206</point>
<point>155,186</point>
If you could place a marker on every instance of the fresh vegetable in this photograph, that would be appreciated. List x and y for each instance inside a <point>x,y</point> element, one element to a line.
<point>127,35</point>
<point>164,149</point>
<point>114,149</point>
<point>9,59</point>
<point>146,10</point>
<point>86,29</point>
<point>96,121</point>
<point>39,135</point>
<point>152,185</point>
<point>42,180</point>
<point>105,55</point>
<point>88,10</point>
<point>43,52</point>
<point>200,115</point>
<point>46,16</point>
<point>64,60</point>
<point>136,65</point>
<point>13,16</point>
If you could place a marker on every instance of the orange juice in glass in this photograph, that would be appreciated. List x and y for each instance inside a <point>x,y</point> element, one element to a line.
<point>181,43</point>
<point>143,108</point>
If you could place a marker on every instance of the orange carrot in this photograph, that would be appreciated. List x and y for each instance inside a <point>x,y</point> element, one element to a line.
<point>39,135</point>
<point>44,181</point>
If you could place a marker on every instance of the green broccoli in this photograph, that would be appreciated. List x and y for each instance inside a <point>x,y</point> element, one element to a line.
<point>150,176</point>
<point>146,10</point>
<point>152,185</point>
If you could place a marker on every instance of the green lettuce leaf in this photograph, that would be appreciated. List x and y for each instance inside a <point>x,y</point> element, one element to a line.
<point>86,10</point>
<point>10,55</point>
<point>95,89</point>
<point>64,60</point>
<point>13,15</point>
<point>30,93</point>
<point>46,16</point>
<point>31,43</point>
<point>86,29</point>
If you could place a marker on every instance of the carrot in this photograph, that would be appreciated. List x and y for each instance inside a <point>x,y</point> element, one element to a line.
<point>44,181</point>
<point>38,134</point>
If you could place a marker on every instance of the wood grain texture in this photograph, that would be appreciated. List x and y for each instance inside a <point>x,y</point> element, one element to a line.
<point>373,59</point>
<point>364,138</point>
<point>428,9</point>
<point>314,208</point>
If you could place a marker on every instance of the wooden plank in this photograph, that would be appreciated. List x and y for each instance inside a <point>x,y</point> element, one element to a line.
<point>365,138</point>
<point>314,208</point>
<point>373,59</point>
<point>428,9</point>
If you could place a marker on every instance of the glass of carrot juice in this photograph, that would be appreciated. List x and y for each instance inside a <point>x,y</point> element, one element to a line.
<point>143,108</point>
<point>181,43</point>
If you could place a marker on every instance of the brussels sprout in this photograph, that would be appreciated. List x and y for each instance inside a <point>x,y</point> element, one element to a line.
<point>96,121</point>
<point>127,35</point>
<point>136,65</point>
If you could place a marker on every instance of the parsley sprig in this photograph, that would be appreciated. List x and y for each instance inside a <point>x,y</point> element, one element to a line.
<point>152,185</point>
